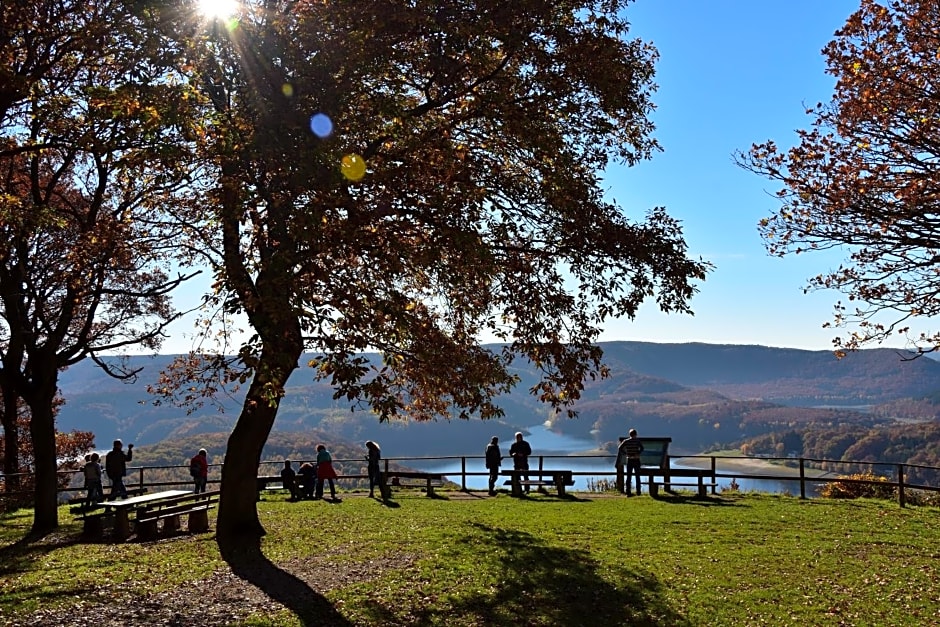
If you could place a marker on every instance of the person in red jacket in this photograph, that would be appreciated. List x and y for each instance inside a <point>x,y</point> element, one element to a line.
<point>325,472</point>
<point>199,470</point>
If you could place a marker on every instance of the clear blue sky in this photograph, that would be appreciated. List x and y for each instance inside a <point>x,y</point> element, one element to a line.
<point>730,73</point>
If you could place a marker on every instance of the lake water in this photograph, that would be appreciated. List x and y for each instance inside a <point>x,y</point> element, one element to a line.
<point>561,451</point>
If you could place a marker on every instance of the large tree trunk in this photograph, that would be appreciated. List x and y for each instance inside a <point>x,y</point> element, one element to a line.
<point>11,442</point>
<point>238,522</point>
<point>42,430</point>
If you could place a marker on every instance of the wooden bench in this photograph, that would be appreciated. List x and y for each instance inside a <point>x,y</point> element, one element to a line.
<point>93,518</point>
<point>656,468</point>
<point>270,482</point>
<point>170,510</point>
<point>392,478</point>
<point>276,482</point>
<point>699,474</point>
<point>559,479</point>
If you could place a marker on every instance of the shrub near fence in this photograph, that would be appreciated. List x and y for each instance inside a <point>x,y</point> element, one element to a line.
<point>859,486</point>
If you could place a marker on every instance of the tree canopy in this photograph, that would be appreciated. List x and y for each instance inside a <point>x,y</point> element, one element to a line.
<point>413,177</point>
<point>93,148</point>
<point>864,178</point>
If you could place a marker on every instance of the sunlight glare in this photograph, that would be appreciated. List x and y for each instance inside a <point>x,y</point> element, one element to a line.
<point>221,9</point>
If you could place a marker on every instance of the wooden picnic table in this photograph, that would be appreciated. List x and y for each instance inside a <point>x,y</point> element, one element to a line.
<point>122,523</point>
<point>557,478</point>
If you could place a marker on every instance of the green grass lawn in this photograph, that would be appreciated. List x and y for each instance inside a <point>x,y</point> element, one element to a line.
<point>733,559</point>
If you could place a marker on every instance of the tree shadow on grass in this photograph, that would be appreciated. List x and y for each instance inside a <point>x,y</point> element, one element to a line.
<point>22,554</point>
<point>551,497</point>
<point>552,585</point>
<point>249,563</point>
<point>690,498</point>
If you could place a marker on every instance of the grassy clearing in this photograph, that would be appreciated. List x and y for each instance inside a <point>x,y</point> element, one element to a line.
<point>734,559</point>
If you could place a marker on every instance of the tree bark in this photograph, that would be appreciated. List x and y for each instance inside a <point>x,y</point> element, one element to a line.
<point>42,430</point>
<point>238,522</point>
<point>11,441</point>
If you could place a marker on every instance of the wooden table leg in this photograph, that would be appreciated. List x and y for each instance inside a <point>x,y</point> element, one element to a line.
<point>198,521</point>
<point>122,525</point>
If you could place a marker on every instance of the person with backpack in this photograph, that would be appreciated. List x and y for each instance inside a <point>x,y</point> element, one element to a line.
<point>199,470</point>
<point>92,472</point>
<point>115,466</point>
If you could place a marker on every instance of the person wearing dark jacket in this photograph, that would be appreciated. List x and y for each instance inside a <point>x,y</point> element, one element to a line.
<point>493,461</point>
<point>308,479</point>
<point>630,451</point>
<point>115,466</point>
<point>373,457</point>
<point>199,470</point>
<point>289,480</point>
<point>520,451</point>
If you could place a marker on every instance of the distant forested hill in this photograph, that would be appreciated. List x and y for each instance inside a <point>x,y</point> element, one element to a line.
<point>783,375</point>
<point>700,394</point>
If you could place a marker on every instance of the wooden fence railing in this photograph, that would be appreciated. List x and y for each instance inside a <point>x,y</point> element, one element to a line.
<point>804,471</point>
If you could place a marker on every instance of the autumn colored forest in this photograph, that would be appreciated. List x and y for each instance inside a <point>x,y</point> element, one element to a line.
<point>873,405</point>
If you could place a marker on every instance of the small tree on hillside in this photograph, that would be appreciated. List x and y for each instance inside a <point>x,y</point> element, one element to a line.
<point>865,177</point>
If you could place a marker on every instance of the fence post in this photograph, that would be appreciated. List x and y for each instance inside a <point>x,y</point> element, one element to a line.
<point>802,479</point>
<point>540,467</point>
<point>901,485</point>
<point>463,473</point>
<point>714,479</point>
<point>141,482</point>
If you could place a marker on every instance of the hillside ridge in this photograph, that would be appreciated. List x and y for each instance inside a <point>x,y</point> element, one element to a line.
<point>702,394</point>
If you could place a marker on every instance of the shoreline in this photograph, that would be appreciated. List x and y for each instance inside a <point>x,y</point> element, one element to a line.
<point>747,466</point>
<point>728,462</point>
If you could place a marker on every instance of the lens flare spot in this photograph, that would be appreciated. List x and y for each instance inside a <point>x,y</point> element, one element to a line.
<point>321,125</point>
<point>353,167</point>
<point>287,89</point>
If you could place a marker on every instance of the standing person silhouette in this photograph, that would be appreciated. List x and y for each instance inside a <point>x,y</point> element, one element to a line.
<point>493,461</point>
<point>325,472</point>
<point>92,472</point>
<point>520,451</point>
<point>199,470</point>
<point>374,455</point>
<point>115,466</point>
<point>631,448</point>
